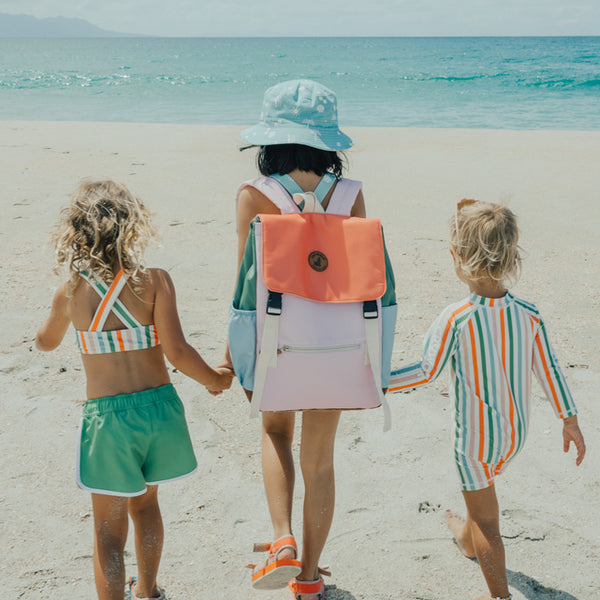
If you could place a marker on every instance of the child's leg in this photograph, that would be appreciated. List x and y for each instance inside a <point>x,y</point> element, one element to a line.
<point>110,534</point>
<point>316,461</point>
<point>483,523</point>
<point>149,535</point>
<point>278,471</point>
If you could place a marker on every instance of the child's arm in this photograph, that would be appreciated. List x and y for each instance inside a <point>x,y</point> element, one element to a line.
<point>553,382</point>
<point>53,329</point>
<point>178,352</point>
<point>550,375</point>
<point>438,346</point>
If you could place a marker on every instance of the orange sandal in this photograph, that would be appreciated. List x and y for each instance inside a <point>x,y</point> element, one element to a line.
<point>276,572</point>
<point>301,589</point>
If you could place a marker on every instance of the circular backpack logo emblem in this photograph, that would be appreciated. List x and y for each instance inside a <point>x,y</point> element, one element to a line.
<point>317,261</point>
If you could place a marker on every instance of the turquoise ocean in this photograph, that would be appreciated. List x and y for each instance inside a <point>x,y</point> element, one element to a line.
<point>504,83</point>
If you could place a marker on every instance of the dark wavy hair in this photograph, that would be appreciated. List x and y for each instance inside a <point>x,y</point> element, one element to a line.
<point>284,158</point>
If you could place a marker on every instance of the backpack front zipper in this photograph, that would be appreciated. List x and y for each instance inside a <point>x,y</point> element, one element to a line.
<point>315,349</point>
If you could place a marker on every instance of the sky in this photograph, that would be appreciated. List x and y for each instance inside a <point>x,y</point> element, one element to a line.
<point>199,18</point>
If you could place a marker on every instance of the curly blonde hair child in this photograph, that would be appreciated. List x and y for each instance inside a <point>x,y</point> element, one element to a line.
<point>133,434</point>
<point>104,226</point>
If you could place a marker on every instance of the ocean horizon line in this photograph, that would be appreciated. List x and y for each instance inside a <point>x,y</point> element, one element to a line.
<point>131,36</point>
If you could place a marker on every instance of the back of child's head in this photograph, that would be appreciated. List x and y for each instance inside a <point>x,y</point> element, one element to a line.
<point>105,227</point>
<point>284,158</point>
<point>485,240</point>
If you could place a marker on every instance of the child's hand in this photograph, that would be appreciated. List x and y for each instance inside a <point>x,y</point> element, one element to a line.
<point>572,433</point>
<point>222,381</point>
<point>226,362</point>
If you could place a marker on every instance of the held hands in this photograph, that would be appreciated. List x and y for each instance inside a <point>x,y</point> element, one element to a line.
<point>222,380</point>
<point>572,433</point>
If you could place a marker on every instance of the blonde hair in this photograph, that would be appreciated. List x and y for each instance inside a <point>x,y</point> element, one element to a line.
<point>485,239</point>
<point>103,227</point>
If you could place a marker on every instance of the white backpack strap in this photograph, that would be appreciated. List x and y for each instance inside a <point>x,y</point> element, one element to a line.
<point>274,191</point>
<point>343,197</point>
<point>268,351</point>
<point>373,355</point>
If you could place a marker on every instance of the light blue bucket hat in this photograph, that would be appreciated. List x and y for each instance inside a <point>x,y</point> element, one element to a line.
<point>300,111</point>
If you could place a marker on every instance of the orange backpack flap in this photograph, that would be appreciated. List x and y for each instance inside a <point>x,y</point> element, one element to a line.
<point>327,258</point>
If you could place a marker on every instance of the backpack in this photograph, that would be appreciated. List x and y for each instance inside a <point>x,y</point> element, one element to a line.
<point>311,325</point>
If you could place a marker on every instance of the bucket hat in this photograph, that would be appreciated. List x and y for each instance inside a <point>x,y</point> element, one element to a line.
<point>300,111</point>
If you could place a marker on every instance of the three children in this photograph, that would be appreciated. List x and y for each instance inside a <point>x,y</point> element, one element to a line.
<point>134,434</point>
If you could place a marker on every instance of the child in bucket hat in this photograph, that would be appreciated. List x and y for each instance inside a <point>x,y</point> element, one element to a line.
<point>299,144</point>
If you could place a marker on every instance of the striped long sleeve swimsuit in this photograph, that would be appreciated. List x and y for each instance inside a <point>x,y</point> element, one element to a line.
<point>493,345</point>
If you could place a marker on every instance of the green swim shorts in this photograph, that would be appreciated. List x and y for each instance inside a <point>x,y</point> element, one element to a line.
<point>132,440</point>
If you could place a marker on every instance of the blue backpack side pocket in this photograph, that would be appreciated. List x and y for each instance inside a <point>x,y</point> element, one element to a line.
<point>242,344</point>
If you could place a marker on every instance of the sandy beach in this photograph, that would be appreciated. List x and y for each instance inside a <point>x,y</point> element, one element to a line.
<point>389,540</point>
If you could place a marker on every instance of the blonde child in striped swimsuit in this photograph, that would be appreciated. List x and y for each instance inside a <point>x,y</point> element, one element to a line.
<point>133,433</point>
<point>493,342</point>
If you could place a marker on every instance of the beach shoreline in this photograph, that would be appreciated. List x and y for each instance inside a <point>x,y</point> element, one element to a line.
<point>388,539</point>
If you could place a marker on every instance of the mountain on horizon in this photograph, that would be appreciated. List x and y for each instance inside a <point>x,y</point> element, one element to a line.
<point>52,27</point>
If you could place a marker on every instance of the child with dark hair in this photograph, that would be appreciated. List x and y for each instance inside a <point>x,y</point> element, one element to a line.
<point>299,157</point>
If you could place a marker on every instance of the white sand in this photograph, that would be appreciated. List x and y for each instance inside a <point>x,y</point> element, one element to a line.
<point>388,539</point>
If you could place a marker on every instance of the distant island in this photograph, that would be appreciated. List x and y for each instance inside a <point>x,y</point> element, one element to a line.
<point>26,26</point>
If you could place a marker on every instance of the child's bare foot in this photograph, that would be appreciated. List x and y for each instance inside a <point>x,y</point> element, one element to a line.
<point>462,534</point>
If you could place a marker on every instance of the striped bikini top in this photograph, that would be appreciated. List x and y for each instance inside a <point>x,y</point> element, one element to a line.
<point>96,341</point>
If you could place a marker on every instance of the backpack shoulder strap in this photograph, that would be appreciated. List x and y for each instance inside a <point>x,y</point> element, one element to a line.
<point>322,189</point>
<point>274,191</point>
<point>288,183</point>
<point>343,197</point>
